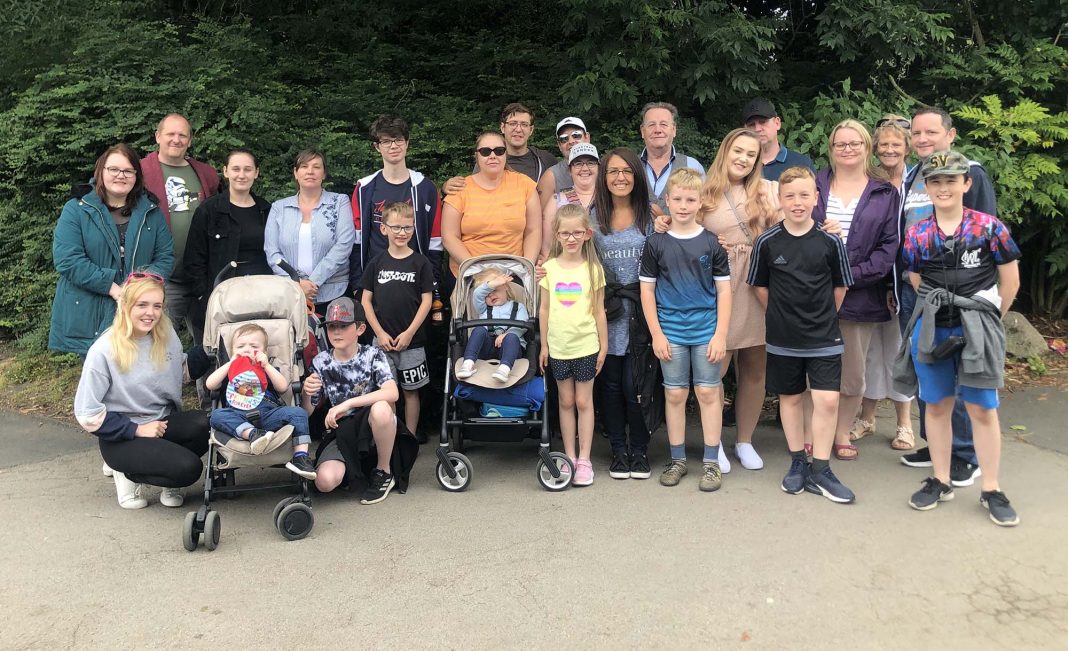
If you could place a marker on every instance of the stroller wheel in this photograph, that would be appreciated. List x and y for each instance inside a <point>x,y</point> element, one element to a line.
<point>212,530</point>
<point>295,521</point>
<point>564,466</point>
<point>281,505</point>
<point>190,535</point>
<point>461,465</point>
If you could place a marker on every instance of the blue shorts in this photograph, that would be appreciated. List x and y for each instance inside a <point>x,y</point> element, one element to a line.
<point>938,380</point>
<point>689,363</point>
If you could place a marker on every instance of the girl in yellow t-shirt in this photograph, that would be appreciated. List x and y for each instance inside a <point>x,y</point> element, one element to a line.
<point>574,330</point>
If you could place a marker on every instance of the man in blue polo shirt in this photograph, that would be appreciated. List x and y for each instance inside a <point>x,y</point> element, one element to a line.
<point>660,158</point>
<point>760,116</point>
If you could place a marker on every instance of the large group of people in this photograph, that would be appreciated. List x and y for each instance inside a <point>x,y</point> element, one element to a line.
<point>790,276</point>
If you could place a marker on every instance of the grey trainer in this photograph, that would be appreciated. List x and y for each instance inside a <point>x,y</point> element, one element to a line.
<point>712,478</point>
<point>675,471</point>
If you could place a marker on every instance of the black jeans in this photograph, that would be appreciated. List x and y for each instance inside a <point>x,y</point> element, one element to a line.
<point>169,462</point>
<point>619,405</point>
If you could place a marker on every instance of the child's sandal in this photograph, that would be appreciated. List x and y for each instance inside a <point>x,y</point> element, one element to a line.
<point>847,452</point>
<point>861,428</point>
<point>904,440</point>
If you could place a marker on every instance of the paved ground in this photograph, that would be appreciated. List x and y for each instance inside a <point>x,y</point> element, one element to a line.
<point>507,565</point>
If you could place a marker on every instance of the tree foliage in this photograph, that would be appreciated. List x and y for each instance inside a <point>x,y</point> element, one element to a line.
<point>279,75</point>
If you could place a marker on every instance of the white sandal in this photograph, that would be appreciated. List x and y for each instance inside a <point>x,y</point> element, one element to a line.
<point>861,428</point>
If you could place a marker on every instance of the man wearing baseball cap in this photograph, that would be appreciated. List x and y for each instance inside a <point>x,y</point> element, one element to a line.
<point>569,132</point>
<point>759,115</point>
<point>358,383</point>
<point>964,266</point>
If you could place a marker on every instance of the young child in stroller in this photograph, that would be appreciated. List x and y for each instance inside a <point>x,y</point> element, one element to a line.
<point>253,384</point>
<point>494,298</point>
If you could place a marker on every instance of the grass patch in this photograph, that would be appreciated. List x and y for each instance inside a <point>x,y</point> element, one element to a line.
<point>38,382</point>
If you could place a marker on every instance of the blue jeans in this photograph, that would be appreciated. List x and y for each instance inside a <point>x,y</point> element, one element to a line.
<point>963,447</point>
<point>619,405</point>
<point>689,363</point>
<point>272,418</point>
<point>480,346</point>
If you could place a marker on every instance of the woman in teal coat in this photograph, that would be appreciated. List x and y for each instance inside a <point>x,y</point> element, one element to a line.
<point>113,229</point>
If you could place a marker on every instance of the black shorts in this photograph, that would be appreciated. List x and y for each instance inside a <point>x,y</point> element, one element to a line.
<point>786,376</point>
<point>581,369</point>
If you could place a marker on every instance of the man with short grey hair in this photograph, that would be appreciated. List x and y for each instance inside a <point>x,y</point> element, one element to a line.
<point>660,158</point>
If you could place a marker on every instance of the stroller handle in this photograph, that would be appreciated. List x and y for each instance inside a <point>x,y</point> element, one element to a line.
<point>225,272</point>
<point>505,323</point>
<point>288,268</point>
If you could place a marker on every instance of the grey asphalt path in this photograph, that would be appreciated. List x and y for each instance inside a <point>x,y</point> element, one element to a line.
<point>621,564</point>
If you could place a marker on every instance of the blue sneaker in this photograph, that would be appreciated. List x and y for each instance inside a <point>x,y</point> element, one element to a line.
<point>827,485</point>
<point>794,481</point>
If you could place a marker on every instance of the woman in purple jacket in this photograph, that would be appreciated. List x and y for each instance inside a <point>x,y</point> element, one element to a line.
<point>857,194</point>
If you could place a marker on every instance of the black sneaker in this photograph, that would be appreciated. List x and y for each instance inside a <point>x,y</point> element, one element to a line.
<point>639,465</point>
<point>794,481</point>
<point>919,459</point>
<point>259,440</point>
<point>620,467</point>
<point>827,485</point>
<point>962,473</point>
<point>1001,513</point>
<point>302,466</point>
<point>378,487</point>
<point>930,495</point>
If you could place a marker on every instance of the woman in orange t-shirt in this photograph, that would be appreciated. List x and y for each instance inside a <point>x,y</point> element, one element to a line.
<point>497,211</point>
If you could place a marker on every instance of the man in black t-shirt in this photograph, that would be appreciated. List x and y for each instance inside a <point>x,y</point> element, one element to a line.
<point>397,290</point>
<point>800,273</point>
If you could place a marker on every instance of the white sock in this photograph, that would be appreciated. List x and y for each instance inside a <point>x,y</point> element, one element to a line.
<point>747,454</point>
<point>724,462</point>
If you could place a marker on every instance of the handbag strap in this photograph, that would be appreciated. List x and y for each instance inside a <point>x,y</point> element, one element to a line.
<point>741,222</point>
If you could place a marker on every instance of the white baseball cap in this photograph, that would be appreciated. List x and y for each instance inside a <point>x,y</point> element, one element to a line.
<point>582,149</point>
<point>573,122</point>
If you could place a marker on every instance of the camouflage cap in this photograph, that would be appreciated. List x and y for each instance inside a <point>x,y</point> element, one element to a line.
<point>945,163</point>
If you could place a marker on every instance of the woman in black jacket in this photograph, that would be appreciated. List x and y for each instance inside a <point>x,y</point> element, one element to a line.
<point>228,227</point>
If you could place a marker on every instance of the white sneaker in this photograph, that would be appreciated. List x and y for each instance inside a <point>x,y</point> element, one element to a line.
<point>724,462</point>
<point>128,492</point>
<point>172,497</point>
<point>106,470</point>
<point>466,370</point>
<point>501,374</point>
<point>747,454</point>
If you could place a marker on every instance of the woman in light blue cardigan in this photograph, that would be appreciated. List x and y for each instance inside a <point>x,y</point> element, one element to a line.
<point>313,231</point>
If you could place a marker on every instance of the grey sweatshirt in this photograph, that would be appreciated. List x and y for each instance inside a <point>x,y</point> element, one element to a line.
<point>111,404</point>
<point>982,361</point>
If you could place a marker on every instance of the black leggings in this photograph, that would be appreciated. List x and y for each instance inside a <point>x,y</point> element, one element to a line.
<point>170,462</point>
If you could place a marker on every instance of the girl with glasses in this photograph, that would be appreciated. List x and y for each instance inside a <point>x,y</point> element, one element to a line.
<point>111,227</point>
<point>582,168</point>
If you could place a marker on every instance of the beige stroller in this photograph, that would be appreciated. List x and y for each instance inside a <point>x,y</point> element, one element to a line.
<point>278,305</point>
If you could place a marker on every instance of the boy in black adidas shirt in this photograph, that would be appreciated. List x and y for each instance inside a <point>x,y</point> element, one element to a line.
<point>800,274</point>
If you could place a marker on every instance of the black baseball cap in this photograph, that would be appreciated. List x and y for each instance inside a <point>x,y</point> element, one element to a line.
<point>759,108</point>
<point>344,310</point>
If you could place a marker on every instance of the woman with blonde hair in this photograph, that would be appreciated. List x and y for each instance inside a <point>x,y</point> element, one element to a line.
<point>858,195</point>
<point>891,141</point>
<point>130,398</point>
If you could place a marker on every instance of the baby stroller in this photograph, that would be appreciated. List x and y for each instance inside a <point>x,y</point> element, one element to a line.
<point>278,305</point>
<point>482,409</point>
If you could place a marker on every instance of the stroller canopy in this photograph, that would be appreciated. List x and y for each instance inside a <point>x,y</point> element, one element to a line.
<point>255,297</point>
<point>522,271</point>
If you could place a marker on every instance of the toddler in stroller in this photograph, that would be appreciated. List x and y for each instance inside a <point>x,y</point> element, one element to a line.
<point>253,388</point>
<point>494,293</point>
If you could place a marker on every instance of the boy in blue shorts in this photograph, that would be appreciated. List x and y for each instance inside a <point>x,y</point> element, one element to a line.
<point>963,265</point>
<point>686,299</point>
<point>800,273</point>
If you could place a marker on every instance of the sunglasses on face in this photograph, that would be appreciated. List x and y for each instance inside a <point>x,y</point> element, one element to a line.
<point>485,152</point>
<point>141,275</point>
<point>904,124</point>
<point>574,135</point>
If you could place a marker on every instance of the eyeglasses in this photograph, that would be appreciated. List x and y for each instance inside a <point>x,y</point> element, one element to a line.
<point>854,145</point>
<point>584,164</point>
<point>120,173</point>
<point>574,135</point>
<point>901,122</point>
<point>397,230</point>
<point>141,275</point>
<point>619,171</point>
<point>567,236</point>
<point>485,152</point>
<point>386,143</point>
<point>516,124</point>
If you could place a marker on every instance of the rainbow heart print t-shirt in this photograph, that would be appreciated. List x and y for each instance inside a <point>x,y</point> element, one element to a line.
<point>572,327</point>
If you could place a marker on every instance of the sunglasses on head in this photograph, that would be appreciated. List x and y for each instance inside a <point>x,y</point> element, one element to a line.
<point>141,275</point>
<point>486,151</point>
<point>901,122</point>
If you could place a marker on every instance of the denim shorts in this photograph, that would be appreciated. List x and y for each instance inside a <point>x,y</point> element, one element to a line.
<point>938,380</point>
<point>689,363</point>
